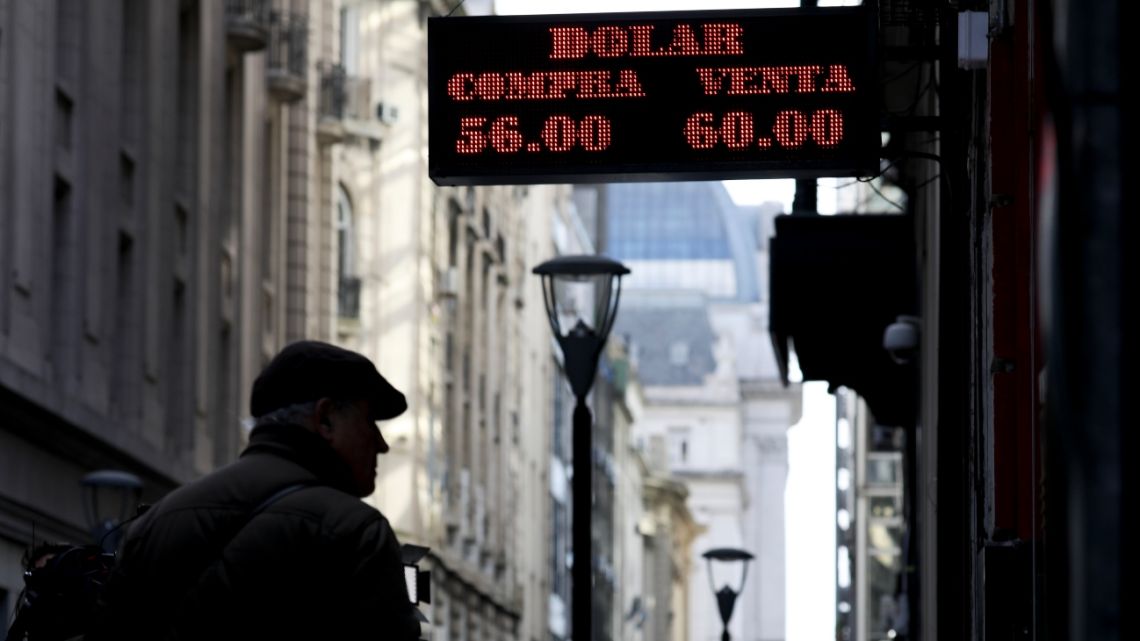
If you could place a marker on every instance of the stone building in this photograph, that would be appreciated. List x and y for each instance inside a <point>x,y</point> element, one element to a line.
<point>435,285</point>
<point>653,528</point>
<point>161,237</point>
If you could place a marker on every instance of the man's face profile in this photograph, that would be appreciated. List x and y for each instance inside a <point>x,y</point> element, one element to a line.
<point>357,440</point>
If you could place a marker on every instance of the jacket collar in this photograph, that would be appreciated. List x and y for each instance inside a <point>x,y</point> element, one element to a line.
<point>304,448</point>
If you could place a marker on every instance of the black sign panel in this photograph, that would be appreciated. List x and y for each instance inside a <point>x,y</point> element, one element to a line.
<point>652,96</point>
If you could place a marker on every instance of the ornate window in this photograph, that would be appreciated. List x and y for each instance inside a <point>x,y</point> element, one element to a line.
<point>348,288</point>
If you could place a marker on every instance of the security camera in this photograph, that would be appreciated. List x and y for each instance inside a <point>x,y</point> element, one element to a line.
<point>900,339</point>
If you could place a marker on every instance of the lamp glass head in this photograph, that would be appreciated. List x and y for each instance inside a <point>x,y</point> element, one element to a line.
<point>581,293</point>
<point>728,568</point>
<point>110,496</point>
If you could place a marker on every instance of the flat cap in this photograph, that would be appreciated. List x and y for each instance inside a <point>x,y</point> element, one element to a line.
<point>310,370</point>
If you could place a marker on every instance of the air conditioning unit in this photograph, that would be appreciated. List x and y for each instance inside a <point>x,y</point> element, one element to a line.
<point>449,283</point>
<point>646,526</point>
<point>387,113</point>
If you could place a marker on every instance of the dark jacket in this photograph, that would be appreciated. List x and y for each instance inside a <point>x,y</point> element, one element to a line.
<point>318,563</point>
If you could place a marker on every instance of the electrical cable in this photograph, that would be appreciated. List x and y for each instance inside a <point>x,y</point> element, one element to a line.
<point>454,8</point>
<point>884,197</point>
<point>921,88</point>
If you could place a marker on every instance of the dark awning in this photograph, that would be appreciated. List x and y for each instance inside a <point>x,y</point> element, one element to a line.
<point>836,283</point>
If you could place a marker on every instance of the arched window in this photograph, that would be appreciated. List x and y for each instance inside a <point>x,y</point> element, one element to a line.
<point>345,235</point>
<point>348,294</point>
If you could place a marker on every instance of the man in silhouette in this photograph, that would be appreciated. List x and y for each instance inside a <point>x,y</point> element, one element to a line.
<point>277,545</point>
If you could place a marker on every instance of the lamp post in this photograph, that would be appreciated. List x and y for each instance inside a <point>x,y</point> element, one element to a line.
<point>726,596</point>
<point>577,289</point>
<point>104,491</point>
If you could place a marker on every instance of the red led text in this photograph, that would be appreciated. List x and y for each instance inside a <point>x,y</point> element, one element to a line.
<point>637,41</point>
<point>737,130</point>
<point>746,81</point>
<point>558,133</point>
<point>545,85</point>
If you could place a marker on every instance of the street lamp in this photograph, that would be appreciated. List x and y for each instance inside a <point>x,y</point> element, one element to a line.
<point>104,491</point>
<point>577,289</point>
<point>726,596</point>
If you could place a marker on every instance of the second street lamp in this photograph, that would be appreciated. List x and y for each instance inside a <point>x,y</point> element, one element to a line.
<point>581,294</point>
<point>726,596</point>
<point>110,497</point>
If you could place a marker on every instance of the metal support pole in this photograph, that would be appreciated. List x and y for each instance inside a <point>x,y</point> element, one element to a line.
<point>581,597</point>
<point>805,201</point>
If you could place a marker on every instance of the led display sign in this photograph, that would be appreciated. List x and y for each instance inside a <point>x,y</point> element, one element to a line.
<point>652,96</point>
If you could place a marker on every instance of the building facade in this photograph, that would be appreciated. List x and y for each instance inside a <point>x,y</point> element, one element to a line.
<point>654,528</point>
<point>872,529</point>
<point>435,285</point>
<point>158,160</point>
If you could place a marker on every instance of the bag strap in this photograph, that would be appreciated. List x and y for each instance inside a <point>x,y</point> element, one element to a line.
<point>261,507</point>
<point>273,498</point>
<point>276,496</point>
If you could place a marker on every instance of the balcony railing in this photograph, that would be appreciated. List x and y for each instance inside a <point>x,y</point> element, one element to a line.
<point>348,298</point>
<point>247,24</point>
<point>331,102</point>
<point>288,55</point>
<point>358,98</point>
<point>334,94</point>
<point>346,108</point>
